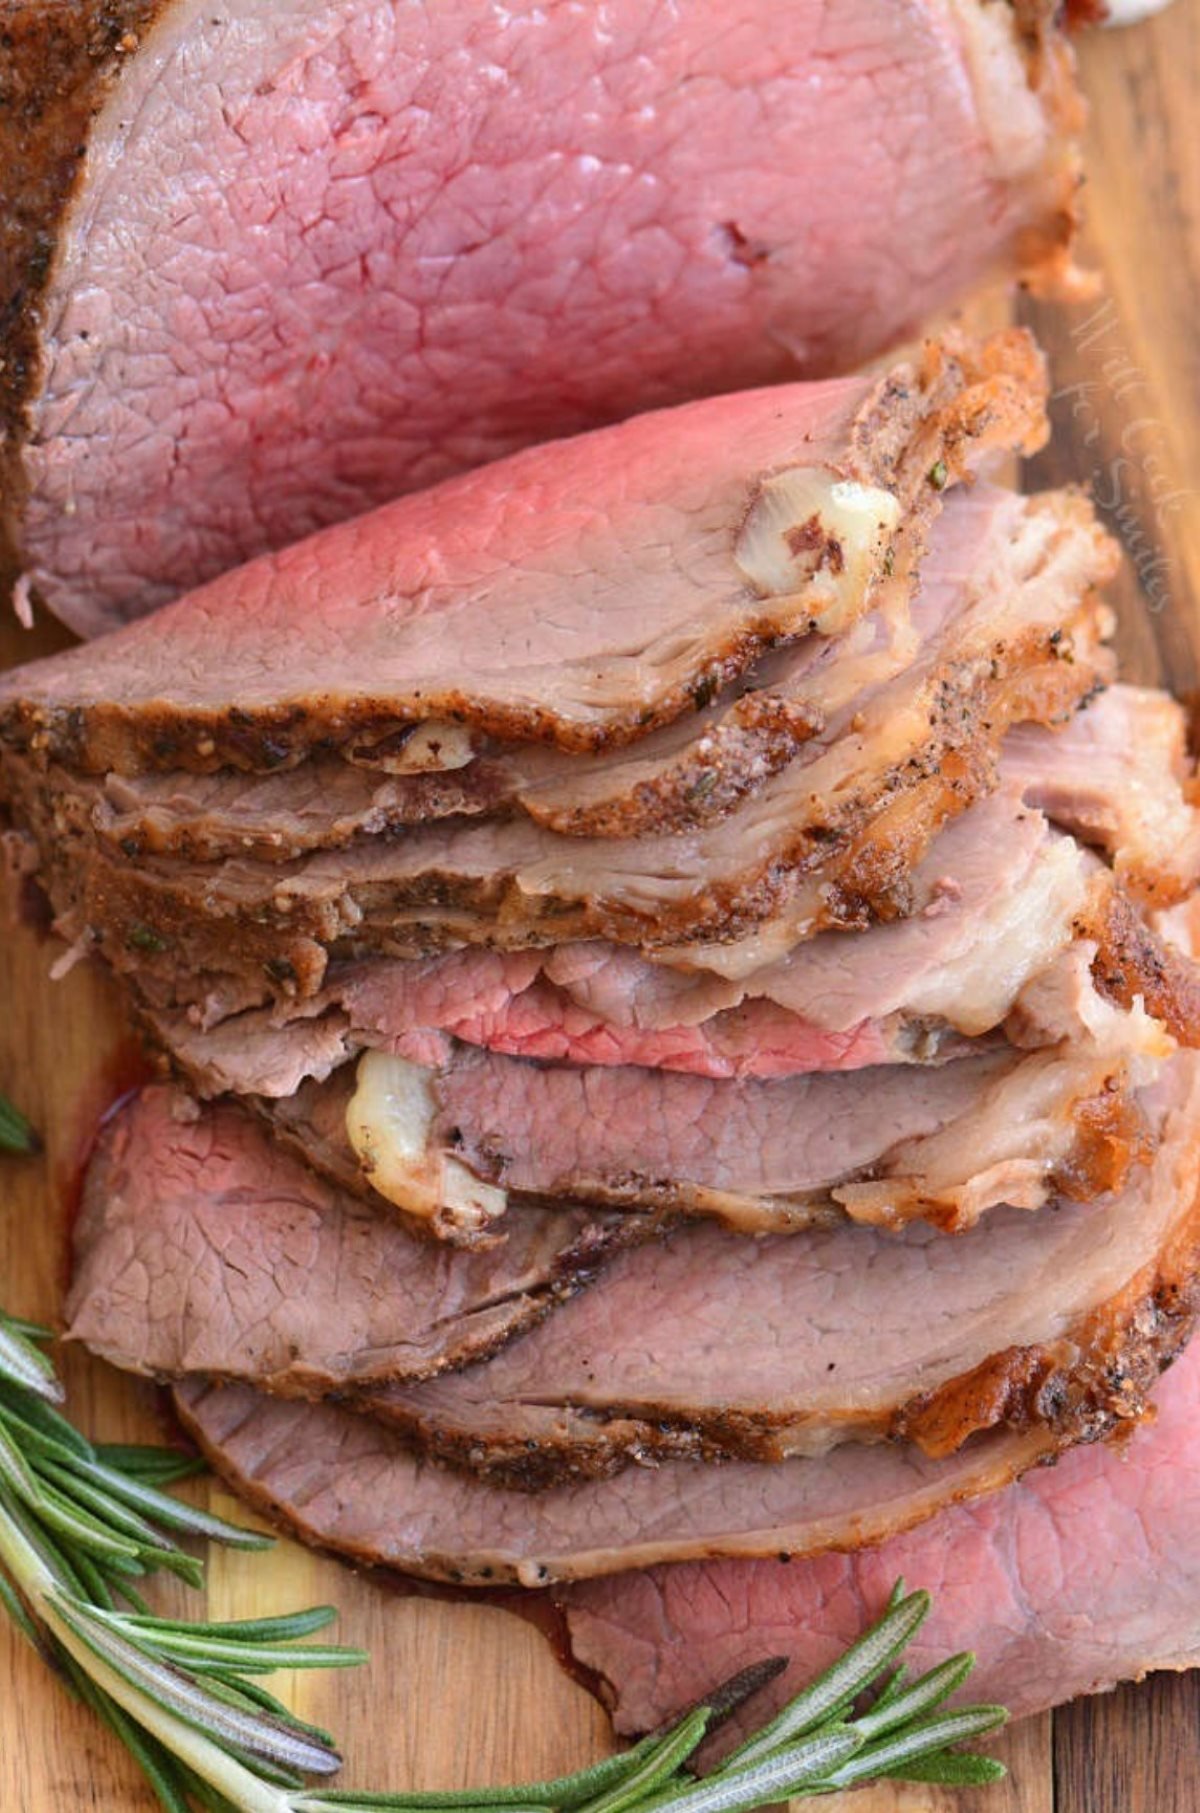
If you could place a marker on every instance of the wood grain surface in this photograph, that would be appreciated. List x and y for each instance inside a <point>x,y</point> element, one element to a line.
<point>461,1692</point>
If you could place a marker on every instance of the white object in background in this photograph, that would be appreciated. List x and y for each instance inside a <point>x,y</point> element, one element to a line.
<point>1128,12</point>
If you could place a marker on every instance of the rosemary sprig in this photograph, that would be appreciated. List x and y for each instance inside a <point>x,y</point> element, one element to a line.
<point>81,1525</point>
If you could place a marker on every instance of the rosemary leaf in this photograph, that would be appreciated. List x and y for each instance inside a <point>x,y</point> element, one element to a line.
<point>841,1684</point>
<point>925,1693</point>
<point>266,1741</point>
<point>173,1512</point>
<point>950,1769</point>
<point>24,1365</point>
<point>901,1747</point>
<point>665,1760</point>
<point>153,1466</point>
<point>16,1134</point>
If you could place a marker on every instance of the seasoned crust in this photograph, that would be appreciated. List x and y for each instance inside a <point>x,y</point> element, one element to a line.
<point>854,864</point>
<point>1132,962</point>
<point>58,62</point>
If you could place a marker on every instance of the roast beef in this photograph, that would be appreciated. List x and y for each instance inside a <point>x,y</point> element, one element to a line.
<point>832,838</point>
<point>884,1146</point>
<point>686,774</point>
<point>183,1268</point>
<point>1001,897</point>
<point>202,1218</point>
<point>1079,1577</point>
<point>604,585</point>
<point>1120,776</point>
<point>998,897</point>
<point>350,1483</point>
<point>260,276</point>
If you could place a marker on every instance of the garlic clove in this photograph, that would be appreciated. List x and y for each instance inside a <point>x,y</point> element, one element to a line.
<point>432,747</point>
<point>820,539</point>
<point>389,1123</point>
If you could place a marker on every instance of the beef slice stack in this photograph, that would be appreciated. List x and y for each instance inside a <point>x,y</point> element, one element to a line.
<point>672,962</point>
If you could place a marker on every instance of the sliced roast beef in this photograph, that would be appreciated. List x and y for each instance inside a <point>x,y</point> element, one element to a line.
<point>1018,1322</point>
<point>257,281</point>
<point>713,1346</point>
<point>602,586</point>
<point>1120,775</point>
<point>1080,1576</point>
<point>1002,897</point>
<point>348,1483</point>
<point>998,898</point>
<point>200,1218</point>
<point>883,1146</point>
<point>832,838</point>
<point>689,773</point>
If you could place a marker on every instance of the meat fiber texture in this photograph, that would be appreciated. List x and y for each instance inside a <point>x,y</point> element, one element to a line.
<point>602,586</point>
<point>349,1483</point>
<point>1078,1577</point>
<point>301,262</point>
<point>205,1205</point>
<point>201,1248</point>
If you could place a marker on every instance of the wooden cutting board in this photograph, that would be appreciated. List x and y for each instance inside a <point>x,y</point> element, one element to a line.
<point>460,1693</point>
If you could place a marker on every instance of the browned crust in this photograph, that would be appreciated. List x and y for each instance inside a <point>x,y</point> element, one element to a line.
<point>757,738</point>
<point>918,433</point>
<point>726,761</point>
<point>1046,248</point>
<point>58,61</point>
<point>863,854</point>
<point>1133,961</point>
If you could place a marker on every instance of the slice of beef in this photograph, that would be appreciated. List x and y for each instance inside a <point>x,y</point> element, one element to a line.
<point>1080,1576</point>
<point>711,1346</point>
<point>255,280</point>
<point>686,774</point>
<point>200,1221</point>
<point>348,1483</point>
<point>883,1146</point>
<point>831,839</point>
<point>1002,897</point>
<point>1021,1323</point>
<point>323,803</point>
<point>602,585</point>
<point>1120,775</point>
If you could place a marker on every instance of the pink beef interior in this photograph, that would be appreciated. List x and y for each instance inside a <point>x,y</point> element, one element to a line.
<point>327,252</point>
